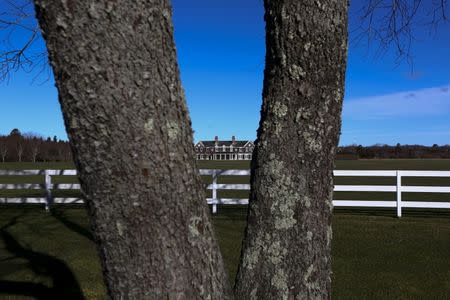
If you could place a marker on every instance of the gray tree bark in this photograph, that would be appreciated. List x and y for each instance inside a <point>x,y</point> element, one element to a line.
<point>118,81</point>
<point>286,251</point>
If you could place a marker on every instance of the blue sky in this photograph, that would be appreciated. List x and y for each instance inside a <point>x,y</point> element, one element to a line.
<point>221,49</point>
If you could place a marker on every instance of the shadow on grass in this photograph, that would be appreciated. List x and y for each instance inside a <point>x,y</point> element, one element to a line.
<point>75,227</point>
<point>391,212</point>
<point>239,212</point>
<point>65,285</point>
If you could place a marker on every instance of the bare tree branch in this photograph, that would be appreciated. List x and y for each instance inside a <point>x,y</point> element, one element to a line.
<point>19,32</point>
<point>385,23</point>
<point>393,23</point>
<point>19,149</point>
<point>34,142</point>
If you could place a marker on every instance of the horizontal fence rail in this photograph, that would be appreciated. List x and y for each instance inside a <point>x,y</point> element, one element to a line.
<point>398,188</point>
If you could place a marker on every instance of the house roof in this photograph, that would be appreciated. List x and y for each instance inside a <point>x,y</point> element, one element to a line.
<point>224,143</point>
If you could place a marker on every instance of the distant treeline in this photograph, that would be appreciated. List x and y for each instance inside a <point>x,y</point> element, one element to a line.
<point>397,151</point>
<point>18,147</point>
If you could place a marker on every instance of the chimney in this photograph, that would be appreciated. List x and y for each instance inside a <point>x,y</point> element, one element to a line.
<point>233,140</point>
<point>216,140</point>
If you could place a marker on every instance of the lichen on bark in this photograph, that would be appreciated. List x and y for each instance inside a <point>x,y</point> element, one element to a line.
<point>287,246</point>
<point>118,81</point>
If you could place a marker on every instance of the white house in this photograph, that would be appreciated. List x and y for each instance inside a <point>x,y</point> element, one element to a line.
<point>224,150</point>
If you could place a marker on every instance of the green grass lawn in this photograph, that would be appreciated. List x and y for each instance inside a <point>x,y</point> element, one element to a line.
<point>374,257</point>
<point>36,166</point>
<point>361,164</point>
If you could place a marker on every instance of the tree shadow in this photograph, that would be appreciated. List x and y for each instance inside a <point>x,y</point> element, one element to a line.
<point>392,212</point>
<point>65,285</point>
<point>59,215</point>
<point>365,211</point>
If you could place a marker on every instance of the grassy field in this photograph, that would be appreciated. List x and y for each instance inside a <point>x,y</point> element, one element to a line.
<point>36,166</point>
<point>361,164</point>
<point>49,256</point>
<point>374,255</point>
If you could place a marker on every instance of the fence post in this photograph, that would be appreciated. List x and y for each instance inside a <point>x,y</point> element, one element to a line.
<point>399,194</point>
<point>48,191</point>
<point>214,192</point>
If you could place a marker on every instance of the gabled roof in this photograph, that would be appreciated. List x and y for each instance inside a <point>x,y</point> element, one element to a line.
<point>248,143</point>
<point>225,143</point>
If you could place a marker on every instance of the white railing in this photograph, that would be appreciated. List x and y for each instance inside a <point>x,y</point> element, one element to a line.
<point>398,188</point>
<point>214,186</point>
<point>48,186</point>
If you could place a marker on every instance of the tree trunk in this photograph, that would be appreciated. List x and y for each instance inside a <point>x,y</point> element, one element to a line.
<point>34,155</point>
<point>3,150</point>
<point>116,72</point>
<point>286,251</point>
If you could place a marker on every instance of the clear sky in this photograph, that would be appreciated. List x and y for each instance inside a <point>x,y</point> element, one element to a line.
<point>220,46</point>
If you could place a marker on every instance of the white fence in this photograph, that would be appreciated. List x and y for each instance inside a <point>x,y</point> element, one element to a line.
<point>48,186</point>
